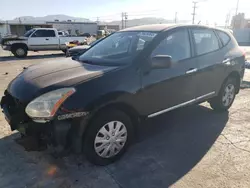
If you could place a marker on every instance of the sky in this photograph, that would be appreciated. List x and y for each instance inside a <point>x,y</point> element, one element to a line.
<point>208,11</point>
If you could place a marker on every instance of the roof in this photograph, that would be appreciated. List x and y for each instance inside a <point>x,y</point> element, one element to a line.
<point>153,27</point>
<point>161,27</point>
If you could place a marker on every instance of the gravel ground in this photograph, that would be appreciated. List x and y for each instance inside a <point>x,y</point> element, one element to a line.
<point>189,147</point>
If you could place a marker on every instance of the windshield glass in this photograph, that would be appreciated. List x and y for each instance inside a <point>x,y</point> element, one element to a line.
<point>118,47</point>
<point>28,33</point>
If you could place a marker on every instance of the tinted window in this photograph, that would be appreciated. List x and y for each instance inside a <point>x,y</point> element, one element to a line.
<point>44,33</point>
<point>175,45</point>
<point>205,41</point>
<point>224,37</point>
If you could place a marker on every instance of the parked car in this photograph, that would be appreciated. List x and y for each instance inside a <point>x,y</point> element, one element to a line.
<point>95,104</point>
<point>79,50</point>
<point>39,39</point>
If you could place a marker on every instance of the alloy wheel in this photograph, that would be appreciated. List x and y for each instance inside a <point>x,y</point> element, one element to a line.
<point>229,94</point>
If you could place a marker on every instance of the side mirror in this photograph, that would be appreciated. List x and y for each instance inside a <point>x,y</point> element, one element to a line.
<point>161,62</point>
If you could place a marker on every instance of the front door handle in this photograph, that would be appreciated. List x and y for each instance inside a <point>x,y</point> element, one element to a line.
<point>46,39</point>
<point>192,70</point>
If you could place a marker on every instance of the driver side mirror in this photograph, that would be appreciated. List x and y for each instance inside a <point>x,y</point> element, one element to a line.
<point>161,62</point>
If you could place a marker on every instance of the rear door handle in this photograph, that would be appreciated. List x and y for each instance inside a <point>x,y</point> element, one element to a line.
<point>192,70</point>
<point>226,61</point>
<point>46,39</point>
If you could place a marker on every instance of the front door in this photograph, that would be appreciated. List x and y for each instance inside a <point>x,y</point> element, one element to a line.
<point>167,89</point>
<point>43,39</point>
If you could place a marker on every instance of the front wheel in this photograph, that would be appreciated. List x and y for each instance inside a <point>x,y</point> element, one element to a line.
<point>19,51</point>
<point>226,97</point>
<point>108,137</point>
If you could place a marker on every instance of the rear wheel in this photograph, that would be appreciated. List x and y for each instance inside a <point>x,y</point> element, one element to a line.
<point>108,137</point>
<point>19,51</point>
<point>226,97</point>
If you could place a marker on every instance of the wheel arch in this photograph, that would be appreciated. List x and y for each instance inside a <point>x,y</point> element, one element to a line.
<point>13,46</point>
<point>236,76</point>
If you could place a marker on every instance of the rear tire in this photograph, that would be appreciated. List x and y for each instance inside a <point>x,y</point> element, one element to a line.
<point>19,51</point>
<point>226,96</point>
<point>108,136</point>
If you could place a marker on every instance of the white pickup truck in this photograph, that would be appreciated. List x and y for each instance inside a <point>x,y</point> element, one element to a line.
<point>38,39</point>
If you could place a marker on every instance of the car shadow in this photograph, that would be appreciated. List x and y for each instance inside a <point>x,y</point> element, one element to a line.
<point>167,147</point>
<point>31,57</point>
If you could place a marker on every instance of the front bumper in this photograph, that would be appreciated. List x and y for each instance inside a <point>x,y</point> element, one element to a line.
<point>54,133</point>
<point>6,47</point>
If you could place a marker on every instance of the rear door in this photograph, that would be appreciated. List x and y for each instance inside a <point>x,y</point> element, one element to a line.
<point>166,89</point>
<point>43,39</point>
<point>209,56</point>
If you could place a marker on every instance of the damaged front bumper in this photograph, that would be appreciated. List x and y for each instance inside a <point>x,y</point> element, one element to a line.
<point>62,132</point>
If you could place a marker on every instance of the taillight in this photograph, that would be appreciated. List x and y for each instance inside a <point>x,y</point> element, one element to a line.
<point>243,53</point>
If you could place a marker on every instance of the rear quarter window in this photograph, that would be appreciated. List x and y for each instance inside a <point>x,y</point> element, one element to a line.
<point>224,37</point>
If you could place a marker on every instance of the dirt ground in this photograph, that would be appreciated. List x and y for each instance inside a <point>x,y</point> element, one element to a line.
<point>189,147</point>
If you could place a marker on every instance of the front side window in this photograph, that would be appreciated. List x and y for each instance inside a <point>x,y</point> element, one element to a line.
<point>176,45</point>
<point>205,41</point>
<point>119,46</point>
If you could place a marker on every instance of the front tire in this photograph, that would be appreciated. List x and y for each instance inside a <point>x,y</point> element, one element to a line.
<point>226,96</point>
<point>19,51</point>
<point>108,137</point>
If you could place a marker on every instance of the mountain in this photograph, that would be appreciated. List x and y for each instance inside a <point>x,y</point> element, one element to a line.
<point>60,17</point>
<point>144,21</point>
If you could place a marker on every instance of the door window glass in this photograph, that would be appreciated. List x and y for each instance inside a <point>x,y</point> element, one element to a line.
<point>175,45</point>
<point>205,41</point>
<point>44,33</point>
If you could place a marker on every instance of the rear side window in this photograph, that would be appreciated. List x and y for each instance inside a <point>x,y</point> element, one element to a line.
<point>205,41</point>
<point>224,37</point>
<point>44,33</point>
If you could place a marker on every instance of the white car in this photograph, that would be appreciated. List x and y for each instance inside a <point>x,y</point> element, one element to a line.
<point>38,39</point>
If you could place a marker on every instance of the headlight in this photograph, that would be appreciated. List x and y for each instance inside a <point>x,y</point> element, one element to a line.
<point>47,104</point>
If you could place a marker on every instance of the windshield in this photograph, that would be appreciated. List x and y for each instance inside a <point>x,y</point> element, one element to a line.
<point>118,47</point>
<point>28,33</point>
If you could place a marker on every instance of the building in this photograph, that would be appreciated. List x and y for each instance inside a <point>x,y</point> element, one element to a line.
<point>75,28</point>
<point>109,27</point>
<point>240,22</point>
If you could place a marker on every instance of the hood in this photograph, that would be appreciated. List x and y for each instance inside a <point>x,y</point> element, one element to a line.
<point>43,77</point>
<point>12,38</point>
<point>77,48</point>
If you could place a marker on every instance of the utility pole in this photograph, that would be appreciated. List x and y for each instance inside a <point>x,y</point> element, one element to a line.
<point>237,7</point>
<point>122,20</point>
<point>126,18</point>
<point>194,10</point>
<point>175,17</point>
<point>236,12</point>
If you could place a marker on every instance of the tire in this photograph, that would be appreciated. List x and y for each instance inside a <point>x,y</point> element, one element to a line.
<point>224,100</point>
<point>19,51</point>
<point>94,140</point>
